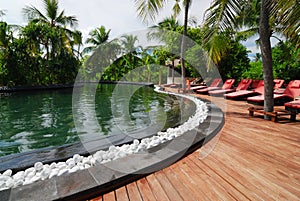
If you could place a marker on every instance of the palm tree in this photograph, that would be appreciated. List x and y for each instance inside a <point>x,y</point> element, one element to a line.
<point>55,19</point>
<point>97,37</point>
<point>52,15</point>
<point>225,15</point>
<point>5,35</point>
<point>77,36</point>
<point>128,42</point>
<point>2,13</point>
<point>130,49</point>
<point>148,9</point>
<point>168,24</point>
<point>287,13</point>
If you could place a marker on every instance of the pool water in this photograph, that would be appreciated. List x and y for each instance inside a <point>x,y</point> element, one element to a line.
<point>42,119</point>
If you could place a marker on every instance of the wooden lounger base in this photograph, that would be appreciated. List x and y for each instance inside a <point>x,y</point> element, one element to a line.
<point>274,115</point>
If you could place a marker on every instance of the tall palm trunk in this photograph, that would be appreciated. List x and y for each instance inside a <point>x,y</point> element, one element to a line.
<point>183,44</point>
<point>173,70</point>
<point>266,52</point>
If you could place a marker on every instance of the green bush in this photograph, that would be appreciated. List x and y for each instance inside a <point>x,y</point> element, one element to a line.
<point>254,72</point>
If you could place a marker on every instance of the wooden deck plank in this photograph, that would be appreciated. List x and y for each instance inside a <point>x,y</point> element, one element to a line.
<point>133,192</point>
<point>188,181</point>
<point>201,180</point>
<point>97,199</point>
<point>145,190</point>
<point>156,188</point>
<point>109,196</point>
<point>167,186</point>
<point>250,175</point>
<point>254,159</point>
<point>212,181</point>
<point>232,175</point>
<point>184,192</point>
<point>270,162</point>
<point>121,194</point>
<point>268,175</point>
<point>231,190</point>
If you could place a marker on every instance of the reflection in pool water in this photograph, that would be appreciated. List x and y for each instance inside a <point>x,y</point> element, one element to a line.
<point>33,120</point>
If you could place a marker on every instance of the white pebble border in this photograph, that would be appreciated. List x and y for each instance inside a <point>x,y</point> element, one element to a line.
<point>42,171</point>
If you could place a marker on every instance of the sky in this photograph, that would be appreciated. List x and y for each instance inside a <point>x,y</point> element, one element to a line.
<point>118,15</point>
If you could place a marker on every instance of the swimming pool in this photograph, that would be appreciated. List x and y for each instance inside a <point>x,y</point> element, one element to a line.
<point>43,119</point>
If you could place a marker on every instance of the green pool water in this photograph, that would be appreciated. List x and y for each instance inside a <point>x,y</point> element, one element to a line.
<point>41,119</point>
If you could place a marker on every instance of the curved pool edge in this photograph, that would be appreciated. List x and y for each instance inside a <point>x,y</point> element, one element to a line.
<point>103,178</point>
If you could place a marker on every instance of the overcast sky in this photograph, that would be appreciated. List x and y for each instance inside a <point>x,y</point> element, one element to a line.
<point>118,15</point>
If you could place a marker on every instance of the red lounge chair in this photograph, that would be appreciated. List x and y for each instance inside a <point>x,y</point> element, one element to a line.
<point>258,89</point>
<point>243,85</point>
<point>257,86</point>
<point>291,91</point>
<point>256,83</point>
<point>227,85</point>
<point>277,86</point>
<point>278,83</point>
<point>293,107</point>
<point>215,83</point>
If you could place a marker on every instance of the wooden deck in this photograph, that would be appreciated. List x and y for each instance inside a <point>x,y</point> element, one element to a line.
<point>252,159</point>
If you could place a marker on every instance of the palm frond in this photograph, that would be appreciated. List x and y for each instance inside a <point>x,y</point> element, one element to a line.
<point>245,34</point>
<point>30,13</point>
<point>287,16</point>
<point>67,20</point>
<point>176,8</point>
<point>149,9</point>
<point>51,7</point>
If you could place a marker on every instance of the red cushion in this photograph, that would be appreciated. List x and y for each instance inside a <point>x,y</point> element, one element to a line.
<point>293,104</point>
<point>295,84</point>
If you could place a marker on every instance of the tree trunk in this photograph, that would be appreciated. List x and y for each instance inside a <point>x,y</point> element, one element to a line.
<point>266,53</point>
<point>160,76</point>
<point>173,70</point>
<point>186,14</point>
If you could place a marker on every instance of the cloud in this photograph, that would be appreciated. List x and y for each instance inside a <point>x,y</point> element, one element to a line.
<point>118,15</point>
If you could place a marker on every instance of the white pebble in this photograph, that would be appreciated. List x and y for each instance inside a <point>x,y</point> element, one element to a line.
<point>35,178</point>
<point>74,169</point>
<point>38,166</point>
<point>86,161</point>
<point>30,171</point>
<point>53,173</point>
<point>63,171</point>
<point>45,173</point>
<point>4,178</point>
<point>111,155</point>
<point>86,166</point>
<point>30,175</point>
<point>53,165</point>
<point>77,158</point>
<point>7,172</point>
<point>9,183</point>
<point>112,148</point>
<point>61,166</point>
<point>19,175</point>
<point>71,164</point>
<point>18,183</point>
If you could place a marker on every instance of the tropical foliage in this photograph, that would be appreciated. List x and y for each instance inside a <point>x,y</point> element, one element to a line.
<point>48,50</point>
<point>43,52</point>
<point>264,17</point>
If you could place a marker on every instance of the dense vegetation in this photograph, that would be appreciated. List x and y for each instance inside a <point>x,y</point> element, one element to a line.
<point>49,50</point>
